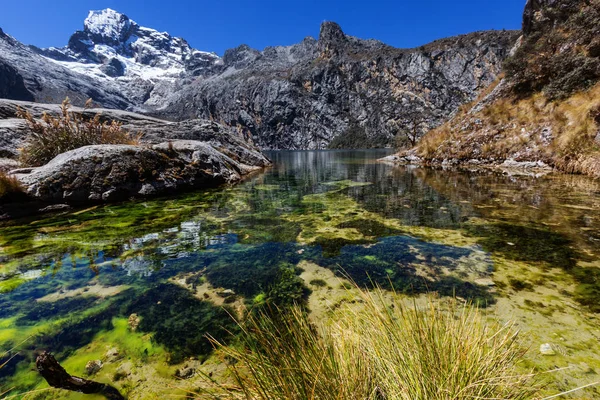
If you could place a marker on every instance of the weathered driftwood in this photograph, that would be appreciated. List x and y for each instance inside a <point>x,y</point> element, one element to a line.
<point>58,377</point>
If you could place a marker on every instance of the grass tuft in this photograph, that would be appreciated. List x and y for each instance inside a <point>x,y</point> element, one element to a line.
<point>52,136</point>
<point>9,186</point>
<point>380,351</point>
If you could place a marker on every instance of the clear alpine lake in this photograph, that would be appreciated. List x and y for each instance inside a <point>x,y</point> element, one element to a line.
<point>138,285</point>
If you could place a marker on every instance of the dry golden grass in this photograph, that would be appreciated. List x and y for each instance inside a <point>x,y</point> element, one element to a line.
<point>509,127</point>
<point>9,185</point>
<point>52,136</point>
<point>380,351</point>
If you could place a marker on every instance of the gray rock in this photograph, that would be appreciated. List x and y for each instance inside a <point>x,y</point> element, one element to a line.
<point>8,164</point>
<point>112,355</point>
<point>92,367</point>
<point>226,293</point>
<point>185,373</point>
<point>547,349</point>
<point>55,208</point>
<point>117,172</point>
<point>12,84</point>
<point>12,135</point>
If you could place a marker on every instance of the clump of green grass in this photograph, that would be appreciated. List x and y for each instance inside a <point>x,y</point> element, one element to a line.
<point>52,136</point>
<point>284,356</point>
<point>430,353</point>
<point>382,351</point>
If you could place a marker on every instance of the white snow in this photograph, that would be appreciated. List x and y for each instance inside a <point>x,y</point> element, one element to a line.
<point>107,23</point>
<point>135,47</point>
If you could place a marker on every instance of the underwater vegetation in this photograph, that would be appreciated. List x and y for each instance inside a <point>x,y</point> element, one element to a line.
<point>398,262</point>
<point>181,322</point>
<point>523,243</point>
<point>72,280</point>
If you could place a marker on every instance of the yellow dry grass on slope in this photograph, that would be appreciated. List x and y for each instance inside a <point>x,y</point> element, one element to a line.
<point>562,133</point>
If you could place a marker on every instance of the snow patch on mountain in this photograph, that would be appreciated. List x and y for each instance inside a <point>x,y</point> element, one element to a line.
<point>108,24</point>
<point>112,46</point>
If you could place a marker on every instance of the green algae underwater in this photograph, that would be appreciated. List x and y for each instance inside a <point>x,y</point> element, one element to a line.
<point>140,285</point>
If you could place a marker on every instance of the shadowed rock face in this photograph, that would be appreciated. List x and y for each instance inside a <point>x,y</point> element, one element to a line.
<point>11,83</point>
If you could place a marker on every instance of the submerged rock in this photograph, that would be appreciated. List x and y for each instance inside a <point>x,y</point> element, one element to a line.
<point>133,322</point>
<point>112,354</point>
<point>546,349</point>
<point>92,367</point>
<point>185,373</point>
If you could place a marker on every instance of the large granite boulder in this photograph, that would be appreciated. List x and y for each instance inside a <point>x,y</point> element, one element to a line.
<point>104,173</point>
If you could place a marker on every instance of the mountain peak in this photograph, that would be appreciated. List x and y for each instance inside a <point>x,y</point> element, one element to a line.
<point>331,39</point>
<point>331,32</point>
<point>108,26</point>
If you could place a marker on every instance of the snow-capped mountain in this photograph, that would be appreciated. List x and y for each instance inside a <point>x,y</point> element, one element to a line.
<point>111,45</point>
<point>304,95</point>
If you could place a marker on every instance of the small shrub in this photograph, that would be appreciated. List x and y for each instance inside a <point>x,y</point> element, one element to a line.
<point>52,136</point>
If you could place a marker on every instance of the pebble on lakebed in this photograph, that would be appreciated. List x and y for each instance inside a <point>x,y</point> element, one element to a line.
<point>546,349</point>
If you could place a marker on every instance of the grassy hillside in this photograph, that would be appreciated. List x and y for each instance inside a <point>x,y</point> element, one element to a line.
<point>546,109</point>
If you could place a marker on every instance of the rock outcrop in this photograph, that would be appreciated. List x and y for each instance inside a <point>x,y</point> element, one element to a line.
<point>305,96</point>
<point>545,113</point>
<point>174,156</point>
<point>118,172</point>
<point>11,84</point>
<point>13,131</point>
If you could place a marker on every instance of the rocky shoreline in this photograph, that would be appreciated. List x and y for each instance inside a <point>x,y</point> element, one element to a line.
<point>508,166</point>
<point>173,157</point>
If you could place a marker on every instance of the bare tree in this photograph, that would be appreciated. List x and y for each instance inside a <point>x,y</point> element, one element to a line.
<point>411,128</point>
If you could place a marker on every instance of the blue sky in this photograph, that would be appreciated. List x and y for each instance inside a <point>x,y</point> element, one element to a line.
<point>216,25</point>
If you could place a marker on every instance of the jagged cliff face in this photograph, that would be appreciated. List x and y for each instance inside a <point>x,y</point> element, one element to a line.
<point>356,93</point>
<point>307,95</point>
<point>560,49</point>
<point>546,112</point>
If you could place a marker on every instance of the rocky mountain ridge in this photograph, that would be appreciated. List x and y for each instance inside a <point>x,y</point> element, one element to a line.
<point>303,96</point>
<point>545,113</point>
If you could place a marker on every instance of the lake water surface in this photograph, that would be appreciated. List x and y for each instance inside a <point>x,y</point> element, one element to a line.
<point>138,285</point>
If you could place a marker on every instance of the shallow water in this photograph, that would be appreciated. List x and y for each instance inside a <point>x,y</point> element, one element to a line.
<point>527,249</point>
